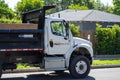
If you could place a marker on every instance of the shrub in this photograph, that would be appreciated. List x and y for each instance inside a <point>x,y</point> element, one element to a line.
<point>74,30</point>
<point>108,40</point>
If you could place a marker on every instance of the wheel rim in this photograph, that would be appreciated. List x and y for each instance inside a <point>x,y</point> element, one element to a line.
<point>81,67</point>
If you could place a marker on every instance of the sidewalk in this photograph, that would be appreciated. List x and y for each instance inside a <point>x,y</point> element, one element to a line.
<point>105,66</point>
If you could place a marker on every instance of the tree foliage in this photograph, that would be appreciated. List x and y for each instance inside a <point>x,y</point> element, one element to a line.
<point>87,3</point>
<point>61,5</point>
<point>72,4</point>
<point>98,5</point>
<point>10,21</point>
<point>108,40</point>
<point>74,30</point>
<point>26,5</point>
<point>116,9</point>
<point>78,7</point>
<point>5,11</point>
<point>110,9</point>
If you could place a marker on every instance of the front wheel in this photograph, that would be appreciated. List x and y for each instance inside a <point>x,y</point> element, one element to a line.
<point>79,67</point>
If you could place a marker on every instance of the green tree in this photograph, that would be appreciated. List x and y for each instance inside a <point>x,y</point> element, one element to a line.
<point>61,4</point>
<point>74,30</point>
<point>98,5</point>
<point>5,11</point>
<point>87,3</point>
<point>26,5</point>
<point>110,9</point>
<point>116,9</point>
<point>72,4</point>
<point>78,7</point>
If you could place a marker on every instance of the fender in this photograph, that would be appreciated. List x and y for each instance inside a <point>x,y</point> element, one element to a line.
<point>70,51</point>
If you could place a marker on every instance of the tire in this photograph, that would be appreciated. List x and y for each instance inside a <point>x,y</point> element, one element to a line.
<point>59,71</point>
<point>79,67</point>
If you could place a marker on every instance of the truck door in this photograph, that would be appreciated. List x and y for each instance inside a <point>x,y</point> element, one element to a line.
<point>59,41</point>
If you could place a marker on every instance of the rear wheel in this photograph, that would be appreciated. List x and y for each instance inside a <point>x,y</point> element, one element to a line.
<point>79,67</point>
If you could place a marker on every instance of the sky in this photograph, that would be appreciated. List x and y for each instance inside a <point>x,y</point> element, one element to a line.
<point>13,3</point>
<point>107,2</point>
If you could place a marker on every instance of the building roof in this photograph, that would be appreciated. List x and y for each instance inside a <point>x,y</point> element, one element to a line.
<point>86,15</point>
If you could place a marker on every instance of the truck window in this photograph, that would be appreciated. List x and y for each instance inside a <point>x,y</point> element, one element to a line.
<point>58,28</point>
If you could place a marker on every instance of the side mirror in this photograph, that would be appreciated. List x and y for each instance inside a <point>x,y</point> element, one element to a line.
<point>89,37</point>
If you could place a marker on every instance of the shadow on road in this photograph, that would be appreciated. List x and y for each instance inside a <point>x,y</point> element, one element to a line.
<point>51,76</point>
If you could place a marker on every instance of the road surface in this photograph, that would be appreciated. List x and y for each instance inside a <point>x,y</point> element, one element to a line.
<point>95,74</point>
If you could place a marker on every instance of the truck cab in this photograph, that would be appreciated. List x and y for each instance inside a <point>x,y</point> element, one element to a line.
<point>58,36</point>
<point>51,46</point>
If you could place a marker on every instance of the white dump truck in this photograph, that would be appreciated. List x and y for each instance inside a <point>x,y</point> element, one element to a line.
<point>44,42</point>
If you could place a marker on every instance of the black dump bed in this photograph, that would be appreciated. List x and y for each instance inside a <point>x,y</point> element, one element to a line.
<point>21,39</point>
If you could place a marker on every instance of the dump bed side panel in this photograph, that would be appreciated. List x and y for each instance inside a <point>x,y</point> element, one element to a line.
<point>7,26</point>
<point>21,43</point>
<point>20,36</point>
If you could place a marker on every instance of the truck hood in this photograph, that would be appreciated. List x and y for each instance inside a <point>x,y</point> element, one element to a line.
<point>81,41</point>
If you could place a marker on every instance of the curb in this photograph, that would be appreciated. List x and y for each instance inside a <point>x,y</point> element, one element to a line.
<point>24,70</point>
<point>106,57</point>
<point>42,70</point>
<point>105,66</point>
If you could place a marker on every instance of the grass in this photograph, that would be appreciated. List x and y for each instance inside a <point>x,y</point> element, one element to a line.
<point>106,62</point>
<point>23,66</point>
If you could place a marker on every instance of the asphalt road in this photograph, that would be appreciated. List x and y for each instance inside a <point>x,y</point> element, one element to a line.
<point>95,74</point>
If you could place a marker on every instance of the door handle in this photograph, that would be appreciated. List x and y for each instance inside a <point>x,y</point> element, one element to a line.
<point>51,43</point>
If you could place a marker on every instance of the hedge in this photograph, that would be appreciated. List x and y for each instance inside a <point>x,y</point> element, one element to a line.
<point>75,30</point>
<point>108,40</point>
